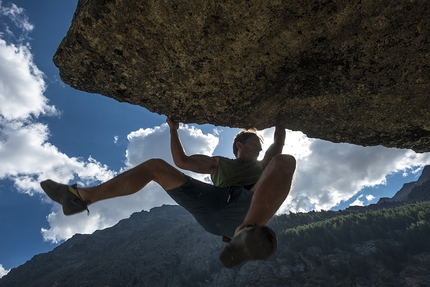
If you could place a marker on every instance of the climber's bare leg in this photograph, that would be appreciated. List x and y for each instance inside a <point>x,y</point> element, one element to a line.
<point>133,180</point>
<point>271,190</point>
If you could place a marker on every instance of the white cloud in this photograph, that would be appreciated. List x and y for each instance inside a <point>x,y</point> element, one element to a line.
<point>217,131</point>
<point>143,144</point>
<point>329,173</point>
<point>155,143</point>
<point>26,155</point>
<point>21,84</point>
<point>3,271</point>
<point>358,201</point>
<point>17,15</point>
<point>296,143</point>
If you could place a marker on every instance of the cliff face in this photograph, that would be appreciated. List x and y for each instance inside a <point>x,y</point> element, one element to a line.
<point>338,70</point>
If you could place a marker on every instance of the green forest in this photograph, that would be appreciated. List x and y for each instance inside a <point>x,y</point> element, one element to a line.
<point>393,236</point>
<point>408,224</point>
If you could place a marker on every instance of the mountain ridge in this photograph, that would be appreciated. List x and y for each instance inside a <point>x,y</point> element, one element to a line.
<point>163,253</point>
<point>379,245</point>
<point>403,193</point>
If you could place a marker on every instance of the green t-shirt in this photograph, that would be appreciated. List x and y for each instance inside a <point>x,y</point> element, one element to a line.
<point>237,172</point>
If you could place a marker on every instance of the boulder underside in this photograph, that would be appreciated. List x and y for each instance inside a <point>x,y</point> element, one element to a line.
<point>342,71</point>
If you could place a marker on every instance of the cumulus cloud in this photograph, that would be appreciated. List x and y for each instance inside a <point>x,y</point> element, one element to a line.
<point>326,174</point>
<point>329,173</point>
<point>3,271</point>
<point>27,156</point>
<point>19,78</point>
<point>143,145</point>
<point>24,148</point>
<point>358,201</point>
<point>155,142</point>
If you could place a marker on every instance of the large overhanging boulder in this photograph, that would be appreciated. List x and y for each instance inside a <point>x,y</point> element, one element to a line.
<point>339,70</point>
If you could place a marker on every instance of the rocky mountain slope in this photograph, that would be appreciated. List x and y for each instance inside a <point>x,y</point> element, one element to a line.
<point>404,193</point>
<point>371,246</point>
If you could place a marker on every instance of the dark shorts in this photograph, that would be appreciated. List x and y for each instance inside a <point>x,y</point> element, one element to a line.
<point>211,206</point>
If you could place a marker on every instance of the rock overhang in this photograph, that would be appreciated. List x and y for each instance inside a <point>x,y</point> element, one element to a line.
<point>342,71</point>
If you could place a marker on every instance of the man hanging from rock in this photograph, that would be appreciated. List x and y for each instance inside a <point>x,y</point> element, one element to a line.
<point>244,196</point>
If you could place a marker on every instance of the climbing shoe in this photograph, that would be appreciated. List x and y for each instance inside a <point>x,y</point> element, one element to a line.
<point>249,243</point>
<point>67,196</point>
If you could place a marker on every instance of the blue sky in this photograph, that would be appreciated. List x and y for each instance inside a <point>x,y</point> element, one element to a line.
<point>49,130</point>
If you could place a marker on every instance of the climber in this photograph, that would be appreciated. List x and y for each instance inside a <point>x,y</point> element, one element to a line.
<point>245,195</point>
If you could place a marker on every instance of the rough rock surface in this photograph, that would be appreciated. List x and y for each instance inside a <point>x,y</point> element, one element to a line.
<point>339,70</point>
